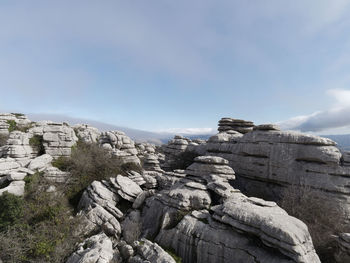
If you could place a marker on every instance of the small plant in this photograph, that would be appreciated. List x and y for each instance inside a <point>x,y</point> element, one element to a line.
<point>11,210</point>
<point>37,144</point>
<point>172,253</point>
<point>62,163</point>
<point>12,125</point>
<point>3,139</point>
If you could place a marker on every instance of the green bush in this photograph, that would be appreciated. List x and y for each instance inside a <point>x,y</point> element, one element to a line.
<point>44,225</point>
<point>11,210</point>
<point>87,163</point>
<point>3,139</point>
<point>62,163</point>
<point>13,125</point>
<point>37,144</point>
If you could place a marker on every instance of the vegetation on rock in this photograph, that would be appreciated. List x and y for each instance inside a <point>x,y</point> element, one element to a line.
<point>37,144</point>
<point>38,227</point>
<point>322,217</point>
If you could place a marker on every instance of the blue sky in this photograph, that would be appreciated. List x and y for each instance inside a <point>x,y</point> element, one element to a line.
<point>164,65</point>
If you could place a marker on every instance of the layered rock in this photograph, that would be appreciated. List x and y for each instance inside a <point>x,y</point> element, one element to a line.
<point>151,163</point>
<point>267,160</point>
<point>87,133</point>
<point>18,146</point>
<point>95,249</point>
<point>238,228</point>
<point>230,124</point>
<point>6,118</point>
<point>120,145</point>
<point>174,148</point>
<point>343,250</point>
<point>148,251</point>
<point>57,138</point>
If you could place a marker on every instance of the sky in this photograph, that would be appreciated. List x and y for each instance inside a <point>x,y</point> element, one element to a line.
<point>179,65</point>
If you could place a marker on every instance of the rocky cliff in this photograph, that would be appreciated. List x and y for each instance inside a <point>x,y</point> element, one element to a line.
<point>197,214</point>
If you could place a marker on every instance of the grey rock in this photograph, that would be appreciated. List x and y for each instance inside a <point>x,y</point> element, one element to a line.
<point>152,252</point>
<point>95,249</point>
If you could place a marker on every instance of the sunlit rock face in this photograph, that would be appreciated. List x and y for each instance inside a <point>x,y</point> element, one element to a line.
<point>204,219</point>
<point>267,160</point>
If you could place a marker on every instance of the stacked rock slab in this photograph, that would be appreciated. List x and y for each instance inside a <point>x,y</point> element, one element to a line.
<point>230,124</point>
<point>120,145</point>
<point>266,160</point>
<point>235,228</point>
<point>343,249</point>
<point>87,133</point>
<point>58,138</point>
<point>151,163</point>
<point>18,146</point>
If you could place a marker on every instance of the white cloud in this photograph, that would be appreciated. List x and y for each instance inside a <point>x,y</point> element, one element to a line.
<point>335,118</point>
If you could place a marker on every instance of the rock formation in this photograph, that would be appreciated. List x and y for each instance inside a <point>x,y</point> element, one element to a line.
<point>120,145</point>
<point>241,126</point>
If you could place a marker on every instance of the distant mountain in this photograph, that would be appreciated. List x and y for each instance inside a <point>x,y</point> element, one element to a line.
<point>343,140</point>
<point>135,134</point>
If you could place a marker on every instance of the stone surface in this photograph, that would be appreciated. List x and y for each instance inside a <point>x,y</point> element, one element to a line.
<point>126,188</point>
<point>40,163</point>
<point>195,218</point>
<point>230,124</point>
<point>87,133</point>
<point>266,161</point>
<point>343,252</point>
<point>152,252</point>
<point>95,249</point>
<point>58,138</point>
<point>120,145</point>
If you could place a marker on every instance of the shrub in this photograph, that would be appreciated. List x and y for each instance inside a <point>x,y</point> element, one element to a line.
<point>3,139</point>
<point>43,229</point>
<point>62,163</point>
<point>11,210</point>
<point>88,162</point>
<point>322,217</point>
<point>37,143</point>
<point>13,125</point>
<point>183,160</point>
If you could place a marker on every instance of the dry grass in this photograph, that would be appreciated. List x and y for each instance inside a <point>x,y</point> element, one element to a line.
<point>322,217</point>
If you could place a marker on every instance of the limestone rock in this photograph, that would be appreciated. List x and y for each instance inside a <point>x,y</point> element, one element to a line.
<point>126,188</point>
<point>152,252</point>
<point>102,194</point>
<point>270,223</point>
<point>230,124</point>
<point>15,187</point>
<point>151,163</point>
<point>210,168</point>
<point>95,249</point>
<point>120,145</point>
<point>55,175</point>
<point>95,218</point>
<point>131,226</point>
<point>58,138</point>
<point>87,133</point>
<point>40,163</point>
